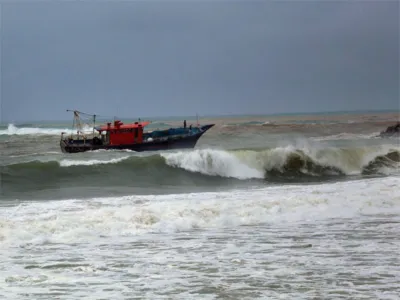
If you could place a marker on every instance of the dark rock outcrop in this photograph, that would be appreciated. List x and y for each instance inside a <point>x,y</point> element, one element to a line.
<point>391,131</point>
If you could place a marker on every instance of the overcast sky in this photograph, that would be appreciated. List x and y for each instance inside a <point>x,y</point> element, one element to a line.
<point>163,58</point>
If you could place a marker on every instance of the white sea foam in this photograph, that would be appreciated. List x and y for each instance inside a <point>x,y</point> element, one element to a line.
<point>14,130</point>
<point>90,162</point>
<point>36,154</point>
<point>75,220</point>
<point>302,241</point>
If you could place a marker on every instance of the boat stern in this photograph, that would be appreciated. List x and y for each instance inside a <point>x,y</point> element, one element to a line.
<point>63,145</point>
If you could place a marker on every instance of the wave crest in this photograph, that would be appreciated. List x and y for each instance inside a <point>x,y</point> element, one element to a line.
<point>212,162</point>
<point>287,162</point>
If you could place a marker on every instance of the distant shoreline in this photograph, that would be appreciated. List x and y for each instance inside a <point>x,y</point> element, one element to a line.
<point>219,116</point>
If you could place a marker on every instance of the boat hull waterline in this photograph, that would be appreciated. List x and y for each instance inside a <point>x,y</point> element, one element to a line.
<point>185,142</point>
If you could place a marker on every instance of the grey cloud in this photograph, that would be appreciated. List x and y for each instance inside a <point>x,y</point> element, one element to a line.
<point>178,58</point>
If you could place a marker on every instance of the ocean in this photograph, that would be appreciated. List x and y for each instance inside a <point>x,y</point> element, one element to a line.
<point>265,207</point>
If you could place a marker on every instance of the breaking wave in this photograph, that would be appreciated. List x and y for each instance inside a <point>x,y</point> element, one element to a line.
<point>288,162</point>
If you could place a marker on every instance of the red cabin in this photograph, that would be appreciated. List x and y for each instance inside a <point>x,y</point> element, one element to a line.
<point>123,134</point>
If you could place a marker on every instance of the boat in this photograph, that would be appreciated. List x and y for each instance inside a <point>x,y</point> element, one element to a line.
<point>131,136</point>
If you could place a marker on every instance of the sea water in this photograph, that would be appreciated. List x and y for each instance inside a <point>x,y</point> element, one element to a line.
<point>256,211</point>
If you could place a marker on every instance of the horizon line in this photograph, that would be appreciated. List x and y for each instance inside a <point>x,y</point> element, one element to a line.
<point>221,115</point>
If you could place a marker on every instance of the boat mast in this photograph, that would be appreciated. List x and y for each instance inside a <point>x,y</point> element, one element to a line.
<point>94,123</point>
<point>77,121</point>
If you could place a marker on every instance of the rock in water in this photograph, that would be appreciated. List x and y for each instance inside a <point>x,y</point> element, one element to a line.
<point>391,131</point>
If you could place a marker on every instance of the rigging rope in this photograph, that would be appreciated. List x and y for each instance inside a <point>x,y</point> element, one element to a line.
<point>93,115</point>
<point>82,119</point>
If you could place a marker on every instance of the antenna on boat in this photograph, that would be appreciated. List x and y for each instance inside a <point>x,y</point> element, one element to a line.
<point>197,118</point>
<point>94,123</point>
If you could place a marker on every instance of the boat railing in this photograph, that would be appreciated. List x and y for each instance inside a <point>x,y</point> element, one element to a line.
<point>79,137</point>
